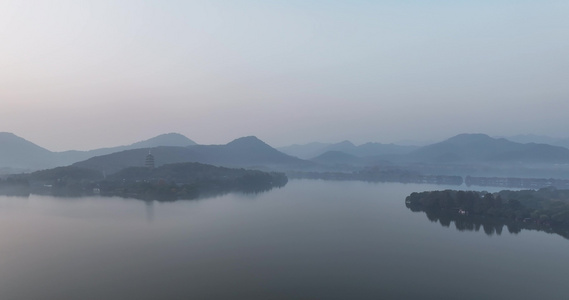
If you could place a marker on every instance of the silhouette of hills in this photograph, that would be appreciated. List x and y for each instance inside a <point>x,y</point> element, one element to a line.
<point>305,151</point>
<point>378,149</point>
<point>168,139</point>
<point>338,157</point>
<point>313,150</point>
<point>341,161</point>
<point>468,148</point>
<point>20,155</point>
<point>247,152</point>
<point>478,151</point>
<point>539,139</point>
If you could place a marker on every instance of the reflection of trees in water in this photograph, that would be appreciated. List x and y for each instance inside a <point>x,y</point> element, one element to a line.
<point>163,191</point>
<point>14,187</point>
<point>490,226</point>
<point>204,194</point>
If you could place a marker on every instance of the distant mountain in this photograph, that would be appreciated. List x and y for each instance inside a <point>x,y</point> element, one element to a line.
<point>243,152</point>
<point>337,158</point>
<point>18,155</point>
<point>168,139</point>
<point>246,151</point>
<point>314,150</point>
<point>539,139</point>
<point>305,151</point>
<point>340,161</point>
<point>416,143</point>
<point>343,146</point>
<point>471,148</point>
<point>378,149</point>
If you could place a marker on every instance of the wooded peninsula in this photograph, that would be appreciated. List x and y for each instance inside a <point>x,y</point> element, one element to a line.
<point>165,183</point>
<point>546,209</point>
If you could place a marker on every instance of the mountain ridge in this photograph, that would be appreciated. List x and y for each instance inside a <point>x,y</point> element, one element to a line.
<point>19,155</point>
<point>483,148</point>
<point>369,149</point>
<point>248,152</point>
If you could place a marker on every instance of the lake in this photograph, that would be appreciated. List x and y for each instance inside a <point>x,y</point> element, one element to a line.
<point>308,240</point>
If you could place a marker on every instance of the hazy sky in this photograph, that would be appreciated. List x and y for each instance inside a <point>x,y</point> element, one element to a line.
<point>86,74</point>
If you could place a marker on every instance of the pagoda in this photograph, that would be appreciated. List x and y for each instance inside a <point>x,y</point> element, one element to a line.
<point>149,163</point>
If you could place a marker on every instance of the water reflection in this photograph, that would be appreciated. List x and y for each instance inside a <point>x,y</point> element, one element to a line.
<point>149,205</point>
<point>490,226</point>
<point>309,240</point>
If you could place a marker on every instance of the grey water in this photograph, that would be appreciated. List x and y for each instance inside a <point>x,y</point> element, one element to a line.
<point>309,240</point>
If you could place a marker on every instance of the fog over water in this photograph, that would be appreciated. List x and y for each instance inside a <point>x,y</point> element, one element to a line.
<point>308,240</point>
<point>238,76</point>
<point>91,74</point>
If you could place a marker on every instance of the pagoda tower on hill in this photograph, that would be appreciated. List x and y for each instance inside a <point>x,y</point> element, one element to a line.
<point>149,163</point>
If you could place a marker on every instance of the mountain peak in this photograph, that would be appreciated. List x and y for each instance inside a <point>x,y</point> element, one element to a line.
<point>345,146</point>
<point>345,143</point>
<point>7,134</point>
<point>8,137</point>
<point>166,139</point>
<point>483,148</point>
<point>469,138</point>
<point>247,140</point>
<point>17,152</point>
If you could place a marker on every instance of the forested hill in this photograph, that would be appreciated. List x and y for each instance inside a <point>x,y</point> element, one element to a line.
<point>188,181</point>
<point>190,173</point>
<point>168,139</point>
<point>18,155</point>
<point>165,183</point>
<point>247,152</point>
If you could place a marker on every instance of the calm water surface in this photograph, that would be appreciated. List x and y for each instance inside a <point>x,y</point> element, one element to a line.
<point>308,240</point>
